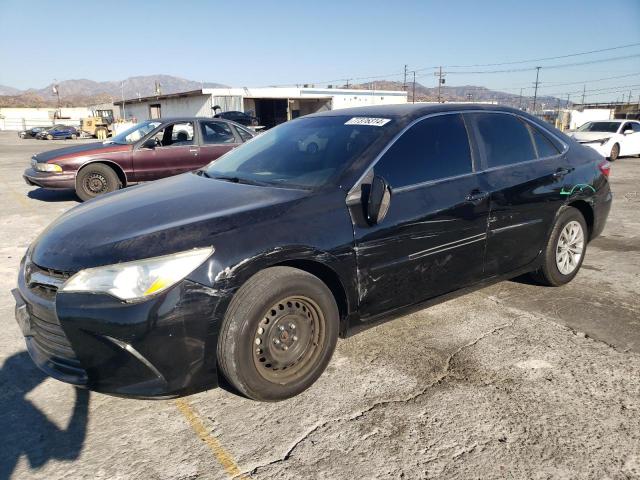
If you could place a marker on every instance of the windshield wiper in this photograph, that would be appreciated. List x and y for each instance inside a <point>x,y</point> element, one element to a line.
<point>232,179</point>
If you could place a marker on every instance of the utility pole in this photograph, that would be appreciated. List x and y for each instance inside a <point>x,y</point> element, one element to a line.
<point>404,83</point>
<point>440,76</point>
<point>124,112</point>
<point>535,93</point>
<point>413,96</point>
<point>568,97</point>
<point>584,90</point>
<point>348,82</point>
<point>629,102</point>
<point>520,100</point>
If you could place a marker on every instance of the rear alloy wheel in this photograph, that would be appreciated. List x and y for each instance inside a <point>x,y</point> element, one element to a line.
<point>615,152</point>
<point>73,136</point>
<point>278,334</point>
<point>565,249</point>
<point>96,179</point>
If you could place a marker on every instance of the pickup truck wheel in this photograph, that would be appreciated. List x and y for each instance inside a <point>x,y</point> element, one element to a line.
<point>278,334</point>
<point>96,179</point>
<point>565,249</point>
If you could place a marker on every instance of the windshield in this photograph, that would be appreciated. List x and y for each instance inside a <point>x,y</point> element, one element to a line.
<point>611,127</point>
<point>306,153</point>
<point>134,133</point>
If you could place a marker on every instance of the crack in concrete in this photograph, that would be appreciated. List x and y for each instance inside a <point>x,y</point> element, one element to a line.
<point>445,373</point>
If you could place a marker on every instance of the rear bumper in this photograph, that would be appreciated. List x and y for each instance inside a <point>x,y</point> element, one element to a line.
<point>49,179</point>
<point>162,347</point>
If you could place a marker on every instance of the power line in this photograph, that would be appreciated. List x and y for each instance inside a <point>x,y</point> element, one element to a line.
<point>590,81</point>
<point>537,59</point>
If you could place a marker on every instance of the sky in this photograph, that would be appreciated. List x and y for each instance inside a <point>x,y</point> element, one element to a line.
<point>266,42</point>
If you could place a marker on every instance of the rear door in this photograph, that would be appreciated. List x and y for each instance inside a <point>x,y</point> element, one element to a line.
<point>524,171</point>
<point>216,139</point>
<point>175,151</point>
<point>432,238</point>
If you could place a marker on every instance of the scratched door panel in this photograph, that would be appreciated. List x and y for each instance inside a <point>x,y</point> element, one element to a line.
<point>431,241</point>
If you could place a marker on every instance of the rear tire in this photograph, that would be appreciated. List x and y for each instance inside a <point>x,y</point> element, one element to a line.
<point>96,179</point>
<point>615,152</point>
<point>278,334</point>
<point>73,136</point>
<point>565,249</point>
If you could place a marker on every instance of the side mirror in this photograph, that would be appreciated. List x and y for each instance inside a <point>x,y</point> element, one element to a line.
<point>149,143</point>
<point>628,132</point>
<point>378,201</point>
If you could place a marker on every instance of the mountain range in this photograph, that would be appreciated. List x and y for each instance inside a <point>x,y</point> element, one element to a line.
<point>85,92</point>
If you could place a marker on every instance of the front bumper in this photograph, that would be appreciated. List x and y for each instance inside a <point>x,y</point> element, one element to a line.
<point>49,179</point>
<point>162,347</point>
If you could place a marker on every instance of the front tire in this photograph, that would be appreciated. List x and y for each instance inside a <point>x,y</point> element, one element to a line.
<point>615,152</point>
<point>96,179</point>
<point>278,334</point>
<point>49,137</point>
<point>565,249</point>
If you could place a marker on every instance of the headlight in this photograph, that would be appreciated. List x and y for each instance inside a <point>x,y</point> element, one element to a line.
<point>47,167</point>
<point>131,281</point>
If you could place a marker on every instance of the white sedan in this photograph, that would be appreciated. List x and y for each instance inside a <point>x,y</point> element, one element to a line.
<point>610,138</point>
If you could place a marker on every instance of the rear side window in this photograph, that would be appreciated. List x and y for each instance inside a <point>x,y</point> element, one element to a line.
<point>506,140</point>
<point>216,132</point>
<point>244,135</point>
<point>434,148</point>
<point>543,145</point>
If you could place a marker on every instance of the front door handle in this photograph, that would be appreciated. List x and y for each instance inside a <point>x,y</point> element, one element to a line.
<point>561,172</point>
<point>476,196</point>
<point>194,151</point>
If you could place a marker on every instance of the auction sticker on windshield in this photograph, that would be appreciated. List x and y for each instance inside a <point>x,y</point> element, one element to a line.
<point>373,122</point>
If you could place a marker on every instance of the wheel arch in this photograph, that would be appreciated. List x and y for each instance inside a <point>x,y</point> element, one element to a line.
<point>109,163</point>
<point>330,278</point>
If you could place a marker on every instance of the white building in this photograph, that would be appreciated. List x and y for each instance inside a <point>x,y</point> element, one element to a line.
<point>272,105</point>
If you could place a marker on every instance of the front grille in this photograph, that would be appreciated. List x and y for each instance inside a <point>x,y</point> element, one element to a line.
<point>48,335</point>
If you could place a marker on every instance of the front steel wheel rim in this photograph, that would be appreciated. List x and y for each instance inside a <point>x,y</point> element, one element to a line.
<point>95,184</point>
<point>570,247</point>
<point>288,339</point>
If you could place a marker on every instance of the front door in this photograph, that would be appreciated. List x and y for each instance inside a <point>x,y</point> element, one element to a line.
<point>630,143</point>
<point>216,139</point>
<point>175,151</point>
<point>432,239</point>
<point>525,172</point>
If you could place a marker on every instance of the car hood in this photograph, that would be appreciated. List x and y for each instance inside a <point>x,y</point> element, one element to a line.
<point>78,150</point>
<point>167,216</point>
<point>590,136</point>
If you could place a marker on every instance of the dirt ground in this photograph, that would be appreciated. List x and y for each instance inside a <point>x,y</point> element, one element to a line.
<point>514,381</point>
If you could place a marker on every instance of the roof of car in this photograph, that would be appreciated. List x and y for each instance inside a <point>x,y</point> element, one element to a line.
<point>412,110</point>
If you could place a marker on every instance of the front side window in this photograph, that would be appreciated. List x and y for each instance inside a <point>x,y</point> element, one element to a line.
<point>214,133</point>
<point>635,126</point>
<point>307,152</point>
<point>433,149</point>
<point>505,138</point>
<point>175,135</point>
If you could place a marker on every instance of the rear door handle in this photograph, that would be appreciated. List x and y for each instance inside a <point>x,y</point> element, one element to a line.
<point>476,196</point>
<point>561,172</point>
<point>194,150</point>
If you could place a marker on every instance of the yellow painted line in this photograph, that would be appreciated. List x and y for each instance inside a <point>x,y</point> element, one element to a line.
<point>223,457</point>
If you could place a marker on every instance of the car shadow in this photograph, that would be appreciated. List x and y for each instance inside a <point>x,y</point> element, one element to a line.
<point>47,195</point>
<point>25,430</point>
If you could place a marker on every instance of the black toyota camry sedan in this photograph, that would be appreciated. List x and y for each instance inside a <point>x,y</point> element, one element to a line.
<point>246,272</point>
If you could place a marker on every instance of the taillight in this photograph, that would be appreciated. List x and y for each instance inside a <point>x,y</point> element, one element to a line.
<point>605,168</point>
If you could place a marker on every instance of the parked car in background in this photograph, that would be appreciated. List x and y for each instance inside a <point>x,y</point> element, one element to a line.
<point>610,138</point>
<point>246,271</point>
<point>239,117</point>
<point>148,151</point>
<point>31,132</point>
<point>58,132</point>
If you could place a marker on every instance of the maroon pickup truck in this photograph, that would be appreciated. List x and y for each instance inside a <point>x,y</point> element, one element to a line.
<point>148,151</point>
